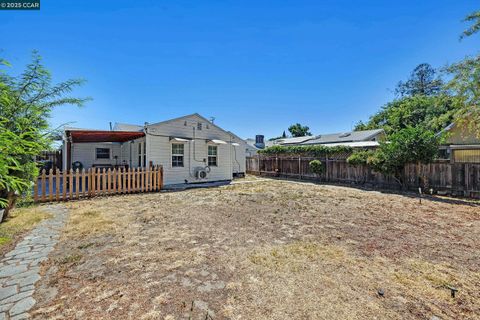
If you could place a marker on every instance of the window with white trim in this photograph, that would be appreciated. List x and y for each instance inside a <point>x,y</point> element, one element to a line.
<point>212,155</point>
<point>102,153</point>
<point>177,154</point>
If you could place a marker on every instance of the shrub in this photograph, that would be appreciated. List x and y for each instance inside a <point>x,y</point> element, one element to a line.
<point>361,157</point>
<point>316,166</point>
<point>308,151</point>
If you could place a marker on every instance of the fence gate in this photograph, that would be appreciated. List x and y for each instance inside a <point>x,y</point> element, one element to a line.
<point>56,185</point>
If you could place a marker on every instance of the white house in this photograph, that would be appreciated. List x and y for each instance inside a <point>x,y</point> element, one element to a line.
<point>191,149</point>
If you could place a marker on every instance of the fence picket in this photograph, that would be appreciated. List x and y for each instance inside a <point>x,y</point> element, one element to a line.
<point>69,184</point>
<point>64,185</point>
<point>77,183</point>
<point>129,180</point>
<point>57,184</point>
<point>50,184</point>
<point>43,185</point>
<point>83,183</point>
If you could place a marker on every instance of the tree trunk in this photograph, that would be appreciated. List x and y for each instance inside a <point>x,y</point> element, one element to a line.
<point>11,200</point>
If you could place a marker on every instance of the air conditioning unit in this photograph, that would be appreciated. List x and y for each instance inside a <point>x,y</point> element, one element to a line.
<point>201,173</point>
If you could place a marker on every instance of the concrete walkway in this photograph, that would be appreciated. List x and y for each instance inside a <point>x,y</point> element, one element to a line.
<point>20,268</point>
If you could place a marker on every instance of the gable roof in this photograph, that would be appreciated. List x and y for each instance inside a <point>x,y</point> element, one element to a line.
<point>199,116</point>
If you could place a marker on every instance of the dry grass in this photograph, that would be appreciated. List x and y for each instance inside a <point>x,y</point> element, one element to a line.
<point>265,250</point>
<point>20,221</point>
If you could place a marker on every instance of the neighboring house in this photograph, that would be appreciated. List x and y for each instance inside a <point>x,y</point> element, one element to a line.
<point>462,144</point>
<point>187,147</point>
<point>355,139</point>
<point>253,145</point>
<point>251,150</point>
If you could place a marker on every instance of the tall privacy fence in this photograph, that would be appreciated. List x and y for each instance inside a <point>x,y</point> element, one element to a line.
<point>461,179</point>
<point>56,185</point>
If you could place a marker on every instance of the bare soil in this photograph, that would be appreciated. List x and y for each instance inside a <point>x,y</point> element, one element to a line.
<point>265,249</point>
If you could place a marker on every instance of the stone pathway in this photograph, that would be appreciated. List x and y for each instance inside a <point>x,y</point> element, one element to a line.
<point>20,268</point>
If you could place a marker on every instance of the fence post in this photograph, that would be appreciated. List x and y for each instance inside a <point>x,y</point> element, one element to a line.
<point>300,168</point>
<point>161,177</point>
<point>326,168</point>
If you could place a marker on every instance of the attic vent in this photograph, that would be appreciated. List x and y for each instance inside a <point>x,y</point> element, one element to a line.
<point>346,134</point>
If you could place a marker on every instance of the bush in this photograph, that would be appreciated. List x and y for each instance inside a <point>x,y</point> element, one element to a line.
<point>359,158</point>
<point>308,151</point>
<point>316,166</point>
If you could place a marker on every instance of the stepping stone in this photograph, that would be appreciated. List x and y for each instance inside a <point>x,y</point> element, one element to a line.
<point>22,306</point>
<point>17,297</point>
<point>7,292</point>
<point>11,270</point>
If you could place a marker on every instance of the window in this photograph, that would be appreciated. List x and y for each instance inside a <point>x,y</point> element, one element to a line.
<point>140,154</point>
<point>212,156</point>
<point>199,126</point>
<point>177,154</point>
<point>102,153</point>
<point>144,154</point>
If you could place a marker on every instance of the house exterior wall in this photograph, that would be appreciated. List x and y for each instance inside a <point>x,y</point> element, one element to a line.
<point>231,159</point>
<point>129,153</point>
<point>159,150</point>
<point>85,153</point>
<point>460,134</point>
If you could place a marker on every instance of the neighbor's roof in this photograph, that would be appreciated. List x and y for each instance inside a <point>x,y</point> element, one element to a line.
<point>127,127</point>
<point>295,140</point>
<point>352,136</point>
<point>356,144</point>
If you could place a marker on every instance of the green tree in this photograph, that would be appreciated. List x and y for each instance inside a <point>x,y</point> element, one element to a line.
<point>465,80</point>
<point>26,104</point>
<point>423,81</point>
<point>429,112</point>
<point>297,130</point>
<point>408,145</point>
<point>474,18</point>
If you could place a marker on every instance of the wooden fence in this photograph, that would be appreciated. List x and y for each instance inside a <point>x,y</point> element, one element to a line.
<point>462,179</point>
<point>62,186</point>
<point>49,160</point>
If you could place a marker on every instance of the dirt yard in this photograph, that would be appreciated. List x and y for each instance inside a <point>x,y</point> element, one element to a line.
<point>265,250</point>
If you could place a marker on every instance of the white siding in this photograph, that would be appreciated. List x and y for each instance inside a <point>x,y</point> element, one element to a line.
<point>85,153</point>
<point>129,152</point>
<point>238,156</point>
<point>159,150</point>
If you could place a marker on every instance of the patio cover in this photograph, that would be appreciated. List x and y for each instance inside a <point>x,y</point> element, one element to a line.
<point>103,136</point>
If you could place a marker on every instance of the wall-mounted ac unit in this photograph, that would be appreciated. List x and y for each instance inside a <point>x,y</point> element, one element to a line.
<point>201,173</point>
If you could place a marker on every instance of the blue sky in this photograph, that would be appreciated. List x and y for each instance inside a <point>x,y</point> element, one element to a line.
<point>256,66</point>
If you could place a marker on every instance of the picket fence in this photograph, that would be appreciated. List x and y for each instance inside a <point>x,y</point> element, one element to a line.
<point>56,185</point>
<point>461,179</point>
